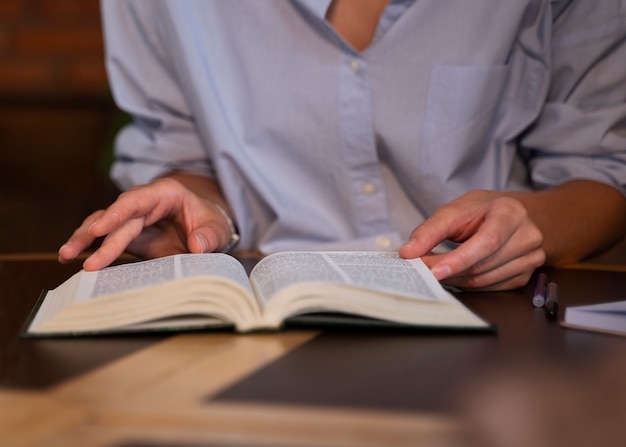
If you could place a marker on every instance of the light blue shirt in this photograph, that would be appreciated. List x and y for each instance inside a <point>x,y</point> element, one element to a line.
<point>319,146</point>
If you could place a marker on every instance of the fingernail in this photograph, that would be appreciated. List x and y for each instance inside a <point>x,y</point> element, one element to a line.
<point>204,245</point>
<point>409,243</point>
<point>441,271</point>
<point>91,226</point>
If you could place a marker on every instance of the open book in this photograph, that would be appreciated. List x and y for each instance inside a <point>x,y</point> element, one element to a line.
<point>608,317</point>
<point>213,290</point>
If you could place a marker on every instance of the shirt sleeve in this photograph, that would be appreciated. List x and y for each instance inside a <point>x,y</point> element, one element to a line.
<point>162,136</point>
<point>581,131</point>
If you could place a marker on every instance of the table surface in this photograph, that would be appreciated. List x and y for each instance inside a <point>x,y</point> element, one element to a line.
<point>302,387</point>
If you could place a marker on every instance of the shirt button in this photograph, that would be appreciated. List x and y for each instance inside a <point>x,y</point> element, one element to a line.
<point>355,65</point>
<point>383,242</point>
<point>368,189</point>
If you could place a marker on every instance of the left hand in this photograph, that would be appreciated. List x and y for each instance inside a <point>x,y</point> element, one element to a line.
<point>161,218</point>
<point>500,245</point>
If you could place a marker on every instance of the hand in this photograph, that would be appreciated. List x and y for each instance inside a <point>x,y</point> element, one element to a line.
<point>500,246</point>
<point>154,220</point>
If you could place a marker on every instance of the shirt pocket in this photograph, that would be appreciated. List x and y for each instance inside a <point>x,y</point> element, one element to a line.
<point>461,109</point>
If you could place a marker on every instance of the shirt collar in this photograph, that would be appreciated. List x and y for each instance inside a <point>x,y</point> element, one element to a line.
<point>320,7</point>
<point>317,7</point>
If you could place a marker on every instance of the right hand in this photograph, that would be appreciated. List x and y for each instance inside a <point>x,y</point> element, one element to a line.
<point>500,246</point>
<point>149,221</point>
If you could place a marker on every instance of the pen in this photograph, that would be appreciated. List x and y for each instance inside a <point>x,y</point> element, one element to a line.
<point>539,296</point>
<point>552,300</point>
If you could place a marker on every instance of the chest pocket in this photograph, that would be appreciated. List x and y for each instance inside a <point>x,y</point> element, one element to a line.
<point>461,106</point>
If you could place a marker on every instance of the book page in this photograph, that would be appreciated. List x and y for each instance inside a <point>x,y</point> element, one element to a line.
<point>85,285</point>
<point>381,271</point>
<point>388,272</point>
<point>121,278</point>
<point>609,316</point>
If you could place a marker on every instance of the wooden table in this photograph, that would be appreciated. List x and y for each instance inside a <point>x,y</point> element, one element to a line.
<point>315,388</point>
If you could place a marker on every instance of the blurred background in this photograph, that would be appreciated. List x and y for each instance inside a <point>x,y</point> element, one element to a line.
<point>58,121</point>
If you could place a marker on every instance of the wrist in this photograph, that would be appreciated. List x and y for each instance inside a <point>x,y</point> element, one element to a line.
<point>234,233</point>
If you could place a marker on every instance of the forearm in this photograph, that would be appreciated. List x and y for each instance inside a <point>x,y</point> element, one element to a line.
<point>577,219</point>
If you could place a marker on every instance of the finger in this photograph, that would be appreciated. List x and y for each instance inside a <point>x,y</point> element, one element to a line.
<point>498,227</point>
<point>205,240</point>
<point>472,284</point>
<point>113,245</point>
<point>152,203</point>
<point>488,250</point>
<point>477,250</point>
<point>80,240</point>
<point>118,214</point>
<point>506,276</point>
<point>428,235</point>
<point>160,239</point>
<point>526,240</point>
<point>210,228</point>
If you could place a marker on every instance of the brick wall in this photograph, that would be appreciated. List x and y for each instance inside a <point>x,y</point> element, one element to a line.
<point>51,48</point>
<point>57,121</point>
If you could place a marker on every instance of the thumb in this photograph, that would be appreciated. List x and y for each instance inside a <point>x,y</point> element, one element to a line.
<point>204,240</point>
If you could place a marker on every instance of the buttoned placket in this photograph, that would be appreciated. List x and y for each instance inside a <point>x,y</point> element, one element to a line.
<point>360,154</point>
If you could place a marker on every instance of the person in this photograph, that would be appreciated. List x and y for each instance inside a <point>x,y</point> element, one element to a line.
<point>487,137</point>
